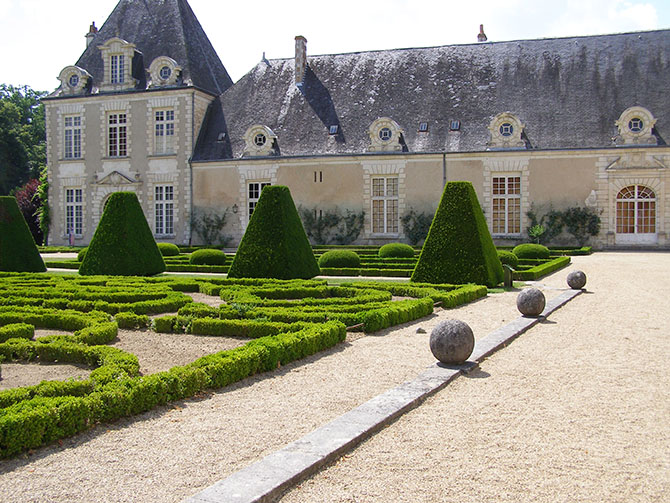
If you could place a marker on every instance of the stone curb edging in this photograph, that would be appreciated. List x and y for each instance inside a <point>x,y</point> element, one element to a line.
<point>267,478</point>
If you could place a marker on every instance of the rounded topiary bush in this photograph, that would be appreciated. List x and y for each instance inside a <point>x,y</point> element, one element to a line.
<point>82,254</point>
<point>508,258</point>
<point>168,249</point>
<point>339,259</point>
<point>207,257</point>
<point>396,250</point>
<point>530,250</point>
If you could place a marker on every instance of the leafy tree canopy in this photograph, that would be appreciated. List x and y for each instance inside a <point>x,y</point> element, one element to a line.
<point>22,136</point>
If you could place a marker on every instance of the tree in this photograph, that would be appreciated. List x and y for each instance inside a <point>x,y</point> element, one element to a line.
<point>28,199</point>
<point>22,136</point>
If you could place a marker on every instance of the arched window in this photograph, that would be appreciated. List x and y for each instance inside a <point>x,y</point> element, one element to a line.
<point>636,210</point>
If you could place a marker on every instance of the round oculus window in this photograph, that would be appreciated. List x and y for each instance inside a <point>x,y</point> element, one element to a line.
<point>260,139</point>
<point>635,124</point>
<point>506,129</point>
<point>74,80</point>
<point>165,72</point>
<point>385,134</point>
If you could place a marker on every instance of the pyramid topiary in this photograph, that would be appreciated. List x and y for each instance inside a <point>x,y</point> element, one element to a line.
<point>123,244</point>
<point>275,244</point>
<point>18,251</point>
<point>459,248</point>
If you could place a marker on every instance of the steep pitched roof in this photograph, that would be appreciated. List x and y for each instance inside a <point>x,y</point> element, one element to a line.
<point>567,91</point>
<point>161,28</point>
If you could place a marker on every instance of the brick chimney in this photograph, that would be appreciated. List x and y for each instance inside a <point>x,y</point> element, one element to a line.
<point>482,36</point>
<point>300,59</point>
<point>92,30</point>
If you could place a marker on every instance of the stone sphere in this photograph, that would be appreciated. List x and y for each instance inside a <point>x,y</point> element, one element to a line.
<point>530,302</point>
<point>452,342</point>
<point>576,280</point>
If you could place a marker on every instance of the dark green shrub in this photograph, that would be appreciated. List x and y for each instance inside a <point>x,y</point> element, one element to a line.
<point>459,248</point>
<point>396,250</point>
<point>168,249</point>
<point>82,254</point>
<point>508,258</point>
<point>207,257</point>
<point>16,331</point>
<point>18,251</point>
<point>275,244</point>
<point>340,258</point>
<point>530,250</point>
<point>123,244</point>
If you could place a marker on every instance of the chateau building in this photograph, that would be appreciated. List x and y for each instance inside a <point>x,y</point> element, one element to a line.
<point>533,124</point>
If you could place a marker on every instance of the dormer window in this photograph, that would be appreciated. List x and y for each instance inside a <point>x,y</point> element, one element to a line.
<point>117,55</point>
<point>74,80</point>
<point>334,129</point>
<point>260,141</point>
<point>385,135</point>
<point>164,71</point>
<point>636,127</point>
<point>506,130</point>
<point>423,127</point>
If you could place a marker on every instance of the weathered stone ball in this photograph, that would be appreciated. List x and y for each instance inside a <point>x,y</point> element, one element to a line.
<point>452,342</point>
<point>576,280</point>
<point>530,302</point>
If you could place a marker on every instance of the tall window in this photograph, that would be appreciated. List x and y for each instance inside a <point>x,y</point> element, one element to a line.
<point>73,212</point>
<point>118,67</point>
<point>506,217</point>
<point>164,131</point>
<point>116,135</point>
<point>385,205</point>
<point>255,189</point>
<point>636,210</point>
<point>72,141</point>
<point>164,209</point>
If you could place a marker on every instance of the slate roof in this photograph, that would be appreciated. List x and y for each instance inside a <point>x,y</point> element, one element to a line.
<point>567,91</point>
<point>161,28</point>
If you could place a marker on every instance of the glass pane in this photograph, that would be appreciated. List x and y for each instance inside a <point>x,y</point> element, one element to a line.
<point>392,187</point>
<point>498,186</point>
<point>514,185</point>
<point>513,216</point>
<point>377,187</point>
<point>392,216</point>
<point>378,216</point>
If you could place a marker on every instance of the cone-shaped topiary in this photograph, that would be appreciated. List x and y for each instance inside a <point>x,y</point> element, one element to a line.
<point>18,251</point>
<point>275,244</point>
<point>459,248</point>
<point>123,244</point>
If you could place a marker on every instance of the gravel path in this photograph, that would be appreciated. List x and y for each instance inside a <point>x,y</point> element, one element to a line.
<point>546,388</point>
<point>578,409</point>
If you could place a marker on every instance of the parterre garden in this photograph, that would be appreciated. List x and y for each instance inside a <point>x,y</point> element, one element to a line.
<point>269,302</point>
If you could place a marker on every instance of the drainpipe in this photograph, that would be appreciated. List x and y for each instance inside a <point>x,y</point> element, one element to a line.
<point>190,172</point>
<point>444,169</point>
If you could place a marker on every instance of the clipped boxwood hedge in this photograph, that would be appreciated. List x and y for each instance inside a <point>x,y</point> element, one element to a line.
<point>81,255</point>
<point>275,244</point>
<point>207,256</point>
<point>18,251</point>
<point>339,259</point>
<point>531,250</point>
<point>459,248</point>
<point>168,249</point>
<point>508,258</point>
<point>123,244</point>
<point>396,250</point>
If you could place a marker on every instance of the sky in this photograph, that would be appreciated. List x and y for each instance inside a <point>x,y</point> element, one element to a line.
<point>38,38</point>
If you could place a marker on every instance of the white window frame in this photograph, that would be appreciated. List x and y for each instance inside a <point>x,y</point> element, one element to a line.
<point>164,131</point>
<point>508,199</point>
<point>254,190</point>
<point>74,212</point>
<point>117,66</point>
<point>117,134</point>
<point>72,137</point>
<point>164,210</point>
<point>387,202</point>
